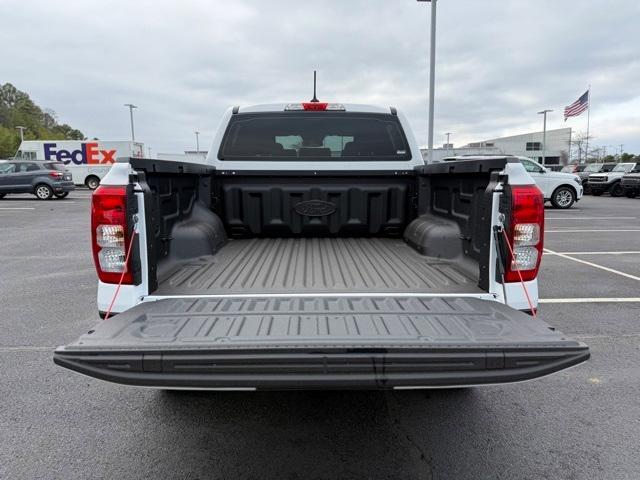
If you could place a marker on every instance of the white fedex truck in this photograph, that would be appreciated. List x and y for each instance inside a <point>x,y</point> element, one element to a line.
<point>88,161</point>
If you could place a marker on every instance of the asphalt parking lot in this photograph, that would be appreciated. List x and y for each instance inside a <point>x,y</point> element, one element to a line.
<point>583,423</point>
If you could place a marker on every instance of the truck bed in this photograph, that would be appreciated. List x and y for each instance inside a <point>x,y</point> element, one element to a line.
<point>316,265</point>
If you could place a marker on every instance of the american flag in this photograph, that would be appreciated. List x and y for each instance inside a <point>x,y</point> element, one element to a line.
<point>577,107</point>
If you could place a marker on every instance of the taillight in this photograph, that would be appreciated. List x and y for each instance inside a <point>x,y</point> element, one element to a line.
<point>55,174</point>
<point>109,234</point>
<point>315,106</point>
<point>525,233</point>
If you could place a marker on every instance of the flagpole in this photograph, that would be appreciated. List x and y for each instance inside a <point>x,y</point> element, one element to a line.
<point>586,154</point>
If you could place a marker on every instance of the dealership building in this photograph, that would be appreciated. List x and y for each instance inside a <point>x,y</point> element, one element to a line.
<point>526,145</point>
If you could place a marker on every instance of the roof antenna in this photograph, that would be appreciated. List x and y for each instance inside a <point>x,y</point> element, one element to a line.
<point>314,99</point>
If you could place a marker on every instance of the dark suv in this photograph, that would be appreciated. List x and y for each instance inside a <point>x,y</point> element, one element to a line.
<point>631,182</point>
<point>43,179</point>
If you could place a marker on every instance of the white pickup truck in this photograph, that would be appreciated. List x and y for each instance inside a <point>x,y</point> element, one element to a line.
<point>315,249</point>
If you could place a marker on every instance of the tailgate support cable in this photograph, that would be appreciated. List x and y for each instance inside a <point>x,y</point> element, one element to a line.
<point>497,229</point>
<point>126,266</point>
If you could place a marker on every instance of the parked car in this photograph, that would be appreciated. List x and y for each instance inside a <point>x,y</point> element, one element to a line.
<point>631,182</point>
<point>593,168</point>
<point>314,249</point>
<point>42,179</point>
<point>561,189</point>
<point>600,183</point>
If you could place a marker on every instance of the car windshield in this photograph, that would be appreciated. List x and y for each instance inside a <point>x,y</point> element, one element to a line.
<point>623,167</point>
<point>314,136</point>
<point>594,167</point>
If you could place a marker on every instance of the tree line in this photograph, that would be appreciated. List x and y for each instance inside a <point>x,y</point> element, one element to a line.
<point>18,110</point>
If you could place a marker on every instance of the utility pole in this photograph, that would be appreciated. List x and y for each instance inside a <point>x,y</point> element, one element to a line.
<point>131,107</point>
<point>197,141</point>
<point>448,134</point>
<point>544,133</point>
<point>22,129</point>
<point>432,75</point>
<point>621,147</point>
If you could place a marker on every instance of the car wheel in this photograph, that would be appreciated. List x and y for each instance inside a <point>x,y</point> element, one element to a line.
<point>616,190</point>
<point>43,192</point>
<point>563,197</point>
<point>92,182</point>
<point>61,195</point>
<point>631,194</point>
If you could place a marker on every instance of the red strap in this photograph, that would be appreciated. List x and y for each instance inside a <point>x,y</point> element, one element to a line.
<point>524,287</point>
<point>126,265</point>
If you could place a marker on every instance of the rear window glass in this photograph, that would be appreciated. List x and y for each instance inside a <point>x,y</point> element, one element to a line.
<point>55,166</point>
<point>7,167</point>
<point>314,136</point>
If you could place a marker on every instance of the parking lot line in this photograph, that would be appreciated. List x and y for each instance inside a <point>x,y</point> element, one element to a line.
<point>593,231</point>
<point>591,300</point>
<point>17,208</point>
<point>591,264</point>
<point>591,218</point>
<point>630,252</point>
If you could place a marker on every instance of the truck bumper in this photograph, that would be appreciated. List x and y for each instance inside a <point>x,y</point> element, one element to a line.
<point>320,343</point>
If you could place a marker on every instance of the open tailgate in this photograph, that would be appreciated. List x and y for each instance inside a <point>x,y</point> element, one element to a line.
<point>298,342</point>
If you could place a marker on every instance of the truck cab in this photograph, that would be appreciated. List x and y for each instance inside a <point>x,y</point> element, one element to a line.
<point>315,249</point>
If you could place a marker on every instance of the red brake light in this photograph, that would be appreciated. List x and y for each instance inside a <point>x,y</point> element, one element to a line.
<point>525,232</point>
<point>55,174</point>
<point>315,106</point>
<point>109,233</point>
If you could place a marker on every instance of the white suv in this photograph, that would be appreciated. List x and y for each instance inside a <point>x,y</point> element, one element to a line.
<point>561,189</point>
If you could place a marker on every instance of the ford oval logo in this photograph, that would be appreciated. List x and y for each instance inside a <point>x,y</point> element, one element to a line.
<point>315,208</point>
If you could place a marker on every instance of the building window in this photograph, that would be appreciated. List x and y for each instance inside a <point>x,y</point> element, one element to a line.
<point>489,144</point>
<point>534,146</point>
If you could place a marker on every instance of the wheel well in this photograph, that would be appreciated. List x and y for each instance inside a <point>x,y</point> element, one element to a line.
<point>571,187</point>
<point>41,184</point>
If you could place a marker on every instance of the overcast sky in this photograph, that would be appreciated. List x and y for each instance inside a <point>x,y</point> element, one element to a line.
<point>184,62</point>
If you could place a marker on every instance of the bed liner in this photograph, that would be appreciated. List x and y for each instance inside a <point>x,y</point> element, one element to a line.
<point>316,265</point>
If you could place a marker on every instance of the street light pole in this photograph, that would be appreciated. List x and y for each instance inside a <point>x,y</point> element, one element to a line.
<point>432,75</point>
<point>544,133</point>
<point>22,129</point>
<point>448,134</point>
<point>197,141</point>
<point>131,107</point>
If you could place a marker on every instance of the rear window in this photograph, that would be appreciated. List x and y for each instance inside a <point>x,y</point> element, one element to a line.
<point>55,166</point>
<point>314,136</point>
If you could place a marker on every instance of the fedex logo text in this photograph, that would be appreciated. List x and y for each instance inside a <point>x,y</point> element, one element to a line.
<point>87,154</point>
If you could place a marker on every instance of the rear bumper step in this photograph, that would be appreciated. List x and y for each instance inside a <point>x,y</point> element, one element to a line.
<point>438,367</point>
<point>327,342</point>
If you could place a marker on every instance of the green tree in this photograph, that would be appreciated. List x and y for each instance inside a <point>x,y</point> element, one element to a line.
<point>17,109</point>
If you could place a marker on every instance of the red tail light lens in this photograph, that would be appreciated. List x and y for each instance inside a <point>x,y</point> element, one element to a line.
<point>54,174</point>
<point>109,234</point>
<point>315,106</point>
<point>525,232</point>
